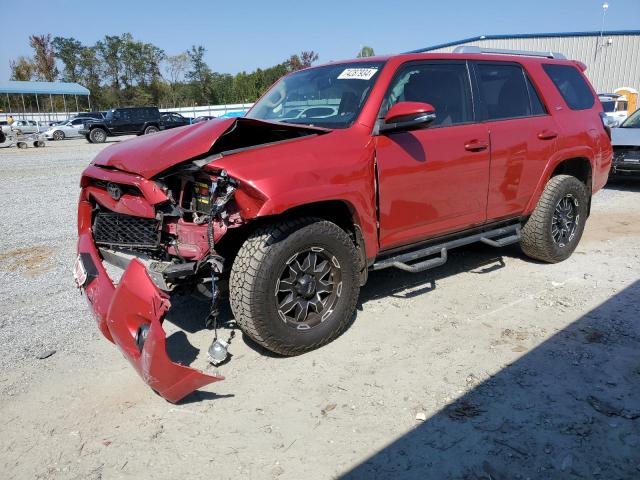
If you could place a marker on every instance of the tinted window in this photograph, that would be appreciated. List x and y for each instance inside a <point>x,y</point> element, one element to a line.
<point>445,86</point>
<point>571,86</point>
<point>537,107</point>
<point>503,91</point>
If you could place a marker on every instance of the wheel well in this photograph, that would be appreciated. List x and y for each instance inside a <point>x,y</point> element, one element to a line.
<point>581,169</point>
<point>576,167</point>
<point>335,211</point>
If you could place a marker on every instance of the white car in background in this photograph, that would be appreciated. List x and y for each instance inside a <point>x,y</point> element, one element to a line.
<point>25,126</point>
<point>614,106</point>
<point>67,129</point>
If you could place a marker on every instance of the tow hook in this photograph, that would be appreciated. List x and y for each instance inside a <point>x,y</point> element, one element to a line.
<point>221,191</point>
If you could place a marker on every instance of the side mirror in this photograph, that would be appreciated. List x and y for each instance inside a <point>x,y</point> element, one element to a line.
<point>405,116</point>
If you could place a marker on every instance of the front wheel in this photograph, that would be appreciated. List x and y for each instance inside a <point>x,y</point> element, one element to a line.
<point>98,135</point>
<point>58,135</point>
<point>555,227</point>
<point>294,285</point>
<point>151,129</point>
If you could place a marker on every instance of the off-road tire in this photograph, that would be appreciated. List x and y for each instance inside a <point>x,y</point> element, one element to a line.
<point>254,279</point>
<point>537,240</point>
<point>151,129</point>
<point>98,135</point>
<point>88,138</point>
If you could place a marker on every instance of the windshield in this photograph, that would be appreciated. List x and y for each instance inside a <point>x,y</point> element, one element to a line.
<point>633,121</point>
<point>330,96</point>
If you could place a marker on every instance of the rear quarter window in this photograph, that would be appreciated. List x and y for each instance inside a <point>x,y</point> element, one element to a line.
<point>571,85</point>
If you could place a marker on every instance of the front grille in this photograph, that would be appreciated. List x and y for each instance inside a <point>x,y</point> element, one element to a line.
<point>115,229</point>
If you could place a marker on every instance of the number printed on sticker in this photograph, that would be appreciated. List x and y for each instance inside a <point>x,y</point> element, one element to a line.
<point>357,73</point>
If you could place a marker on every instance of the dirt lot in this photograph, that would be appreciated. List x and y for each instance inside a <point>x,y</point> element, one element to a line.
<point>491,367</point>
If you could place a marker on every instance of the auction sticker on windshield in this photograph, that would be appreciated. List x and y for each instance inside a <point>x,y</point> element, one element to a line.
<point>357,73</point>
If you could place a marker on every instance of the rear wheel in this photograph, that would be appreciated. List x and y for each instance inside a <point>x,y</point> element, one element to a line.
<point>58,135</point>
<point>151,129</point>
<point>555,227</point>
<point>294,285</point>
<point>97,135</point>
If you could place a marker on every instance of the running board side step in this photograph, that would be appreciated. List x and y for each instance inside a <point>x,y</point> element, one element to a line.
<point>498,237</point>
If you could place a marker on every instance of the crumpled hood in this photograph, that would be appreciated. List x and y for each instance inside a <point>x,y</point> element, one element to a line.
<point>150,155</point>
<point>625,136</point>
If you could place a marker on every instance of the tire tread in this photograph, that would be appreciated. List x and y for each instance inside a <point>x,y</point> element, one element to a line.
<point>247,279</point>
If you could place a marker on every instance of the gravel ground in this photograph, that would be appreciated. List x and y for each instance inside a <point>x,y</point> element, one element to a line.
<point>492,366</point>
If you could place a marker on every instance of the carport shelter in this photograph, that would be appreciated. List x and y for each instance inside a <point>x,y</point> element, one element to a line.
<point>40,89</point>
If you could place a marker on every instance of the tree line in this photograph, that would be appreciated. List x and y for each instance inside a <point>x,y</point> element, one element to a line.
<point>120,70</point>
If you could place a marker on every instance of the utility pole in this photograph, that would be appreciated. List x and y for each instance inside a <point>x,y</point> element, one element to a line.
<point>600,43</point>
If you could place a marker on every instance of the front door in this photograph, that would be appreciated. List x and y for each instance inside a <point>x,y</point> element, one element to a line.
<point>432,181</point>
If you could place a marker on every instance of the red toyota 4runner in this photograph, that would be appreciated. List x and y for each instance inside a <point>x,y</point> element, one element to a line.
<point>339,169</point>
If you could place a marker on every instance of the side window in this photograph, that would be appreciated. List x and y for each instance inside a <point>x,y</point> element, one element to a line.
<point>503,91</point>
<point>77,121</point>
<point>445,86</point>
<point>537,107</point>
<point>571,86</point>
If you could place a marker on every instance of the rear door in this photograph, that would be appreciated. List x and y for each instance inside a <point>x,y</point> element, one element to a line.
<point>432,181</point>
<point>136,120</point>
<point>120,121</point>
<point>76,125</point>
<point>522,134</point>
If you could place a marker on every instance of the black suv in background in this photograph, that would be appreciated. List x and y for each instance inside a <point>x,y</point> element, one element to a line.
<point>173,120</point>
<point>123,121</point>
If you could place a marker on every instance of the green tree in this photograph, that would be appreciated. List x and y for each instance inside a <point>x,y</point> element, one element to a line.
<point>366,52</point>
<point>200,73</point>
<point>176,66</point>
<point>109,51</point>
<point>69,51</point>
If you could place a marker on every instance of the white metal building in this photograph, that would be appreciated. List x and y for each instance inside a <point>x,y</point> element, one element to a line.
<point>612,58</point>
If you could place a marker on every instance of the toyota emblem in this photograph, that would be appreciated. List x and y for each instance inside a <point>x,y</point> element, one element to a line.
<point>114,190</point>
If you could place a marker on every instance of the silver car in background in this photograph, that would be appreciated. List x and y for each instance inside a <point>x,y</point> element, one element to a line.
<point>626,147</point>
<point>68,129</point>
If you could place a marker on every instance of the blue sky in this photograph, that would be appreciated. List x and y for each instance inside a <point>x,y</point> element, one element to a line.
<point>246,34</point>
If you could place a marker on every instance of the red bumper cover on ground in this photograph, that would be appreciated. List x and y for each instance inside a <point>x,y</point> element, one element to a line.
<point>121,312</point>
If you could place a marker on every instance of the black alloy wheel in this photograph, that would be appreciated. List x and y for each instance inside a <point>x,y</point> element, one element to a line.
<point>565,220</point>
<point>308,288</point>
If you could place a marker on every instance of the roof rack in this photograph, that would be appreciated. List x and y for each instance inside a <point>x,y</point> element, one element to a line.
<point>502,51</point>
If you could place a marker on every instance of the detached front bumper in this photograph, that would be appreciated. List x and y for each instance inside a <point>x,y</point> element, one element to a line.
<point>130,316</point>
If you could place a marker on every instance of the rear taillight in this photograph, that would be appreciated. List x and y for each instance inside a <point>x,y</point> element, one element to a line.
<point>607,123</point>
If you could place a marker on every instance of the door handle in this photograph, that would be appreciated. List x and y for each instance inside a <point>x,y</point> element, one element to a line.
<point>547,135</point>
<point>476,146</point>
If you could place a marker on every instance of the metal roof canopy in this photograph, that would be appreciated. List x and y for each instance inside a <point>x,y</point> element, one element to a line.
<point>528,35</point>
<point>43,88</point>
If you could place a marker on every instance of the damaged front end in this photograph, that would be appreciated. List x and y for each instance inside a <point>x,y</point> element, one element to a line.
<point>159,219</point>
<point>163,237</point>
<point>155,208</point>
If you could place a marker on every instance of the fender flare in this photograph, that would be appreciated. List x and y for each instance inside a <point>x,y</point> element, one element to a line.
<point>557,158</point>
<point>355,201</point>
<point>93,126</point>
